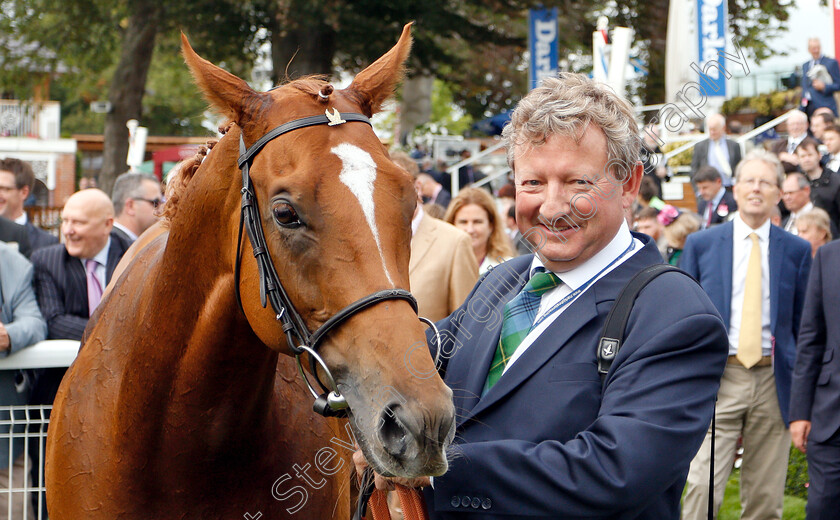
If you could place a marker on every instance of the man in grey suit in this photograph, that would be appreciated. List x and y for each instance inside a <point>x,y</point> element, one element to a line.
<point>718,151</point>
<point>16,182</point>
<point>815,423</point>
<point>21,325</point>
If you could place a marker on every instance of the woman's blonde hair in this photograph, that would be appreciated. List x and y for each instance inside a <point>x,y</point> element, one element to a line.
<point>818,218</point>
<point>677,231</point>
<point>498,244</point>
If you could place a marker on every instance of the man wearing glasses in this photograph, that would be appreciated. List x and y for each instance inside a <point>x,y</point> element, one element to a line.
<point>16,182</point>
<point>136,197</point>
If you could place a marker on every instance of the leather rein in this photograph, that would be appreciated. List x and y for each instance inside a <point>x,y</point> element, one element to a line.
<point>329,403</point>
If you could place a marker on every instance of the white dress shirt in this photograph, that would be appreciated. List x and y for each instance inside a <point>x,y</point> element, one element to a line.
<point>741,248</point>
<point>790,226</point>
<point>614,254</point>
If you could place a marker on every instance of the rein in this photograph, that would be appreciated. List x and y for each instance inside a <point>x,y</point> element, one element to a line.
<point>330,403</point>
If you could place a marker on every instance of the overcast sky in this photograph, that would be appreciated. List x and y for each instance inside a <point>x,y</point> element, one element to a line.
<point>807,19</point>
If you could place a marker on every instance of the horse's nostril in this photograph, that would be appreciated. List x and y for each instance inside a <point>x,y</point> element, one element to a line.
<point>446,425</point>
<point>392,432</point>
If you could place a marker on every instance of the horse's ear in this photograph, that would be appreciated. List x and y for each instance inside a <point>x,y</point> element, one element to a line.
<point>376,83</point>
<point>229,95</point>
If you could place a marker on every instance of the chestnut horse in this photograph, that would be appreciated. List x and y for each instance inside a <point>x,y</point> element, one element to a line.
<point>183,404</point>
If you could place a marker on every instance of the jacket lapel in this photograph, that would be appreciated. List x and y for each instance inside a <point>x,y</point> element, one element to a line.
<point>473,368</point>
<point>578,314</point>
<point>725,265</point>
<point>77,280</point>
<point>775,254</point>
<point>114,254</point>
<point>421,242</point>
<point>561,331</point>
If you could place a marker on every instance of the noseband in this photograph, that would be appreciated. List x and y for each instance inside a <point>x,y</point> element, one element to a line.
<point>330,403</point>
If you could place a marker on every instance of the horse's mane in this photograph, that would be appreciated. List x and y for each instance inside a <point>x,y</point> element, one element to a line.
<point>182,173</point>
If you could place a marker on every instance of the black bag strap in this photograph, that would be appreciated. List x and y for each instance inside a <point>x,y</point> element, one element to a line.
<point>613,335</point>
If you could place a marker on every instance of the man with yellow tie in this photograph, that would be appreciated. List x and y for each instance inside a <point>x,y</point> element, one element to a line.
<point>756,275</point>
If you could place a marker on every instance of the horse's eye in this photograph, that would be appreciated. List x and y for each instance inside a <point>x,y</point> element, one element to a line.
<point>285,214</point>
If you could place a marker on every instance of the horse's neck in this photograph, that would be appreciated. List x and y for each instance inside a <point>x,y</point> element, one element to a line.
<point>212,375</point>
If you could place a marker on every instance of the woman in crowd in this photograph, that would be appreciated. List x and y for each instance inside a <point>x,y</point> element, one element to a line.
<point>815,227</point>
<point>678,225</point>
<point>474,211</point>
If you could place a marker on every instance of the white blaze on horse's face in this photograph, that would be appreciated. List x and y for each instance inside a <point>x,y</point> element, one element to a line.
<point>358,171</point>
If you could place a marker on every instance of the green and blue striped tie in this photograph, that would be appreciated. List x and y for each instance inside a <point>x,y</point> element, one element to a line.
<point>519,315</point>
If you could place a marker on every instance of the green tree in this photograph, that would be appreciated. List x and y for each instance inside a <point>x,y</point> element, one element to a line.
<point>91,37</point>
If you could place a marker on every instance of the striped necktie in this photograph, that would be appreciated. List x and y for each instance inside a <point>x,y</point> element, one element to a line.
<point>519,315</point>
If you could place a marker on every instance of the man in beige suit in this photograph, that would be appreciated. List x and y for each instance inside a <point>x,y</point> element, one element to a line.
<point>443,269</point>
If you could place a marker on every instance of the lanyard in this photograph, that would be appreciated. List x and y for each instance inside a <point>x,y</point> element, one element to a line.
<point>574,294</point>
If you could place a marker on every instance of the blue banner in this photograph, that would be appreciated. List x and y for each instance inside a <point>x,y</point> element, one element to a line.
<point>711,34</point>
<point>542,25</point>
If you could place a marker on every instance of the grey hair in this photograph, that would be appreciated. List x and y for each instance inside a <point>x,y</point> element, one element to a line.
<point>715,118</point>
<point>566,105</point>
<point>767,158</point>
<point>126,186</point>
<point>802,182</point>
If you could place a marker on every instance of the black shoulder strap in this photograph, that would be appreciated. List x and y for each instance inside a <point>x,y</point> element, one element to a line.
<point>613,333</point>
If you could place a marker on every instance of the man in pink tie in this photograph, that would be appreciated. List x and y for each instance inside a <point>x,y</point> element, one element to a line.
<point>70,277</point>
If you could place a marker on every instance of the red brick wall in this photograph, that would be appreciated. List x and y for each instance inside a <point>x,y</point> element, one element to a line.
<point>65,179</point>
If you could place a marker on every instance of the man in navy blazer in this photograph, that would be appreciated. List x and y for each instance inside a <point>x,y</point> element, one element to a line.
<point>817,89</point>
<point>538,436</point>
<point>815,423</point>
<point>754,394</point>
<point>715,204</point>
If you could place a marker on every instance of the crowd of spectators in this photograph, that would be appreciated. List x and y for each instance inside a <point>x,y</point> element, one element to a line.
<point>740,242</point>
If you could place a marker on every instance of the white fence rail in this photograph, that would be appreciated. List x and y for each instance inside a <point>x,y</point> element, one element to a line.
<point>27,426</point>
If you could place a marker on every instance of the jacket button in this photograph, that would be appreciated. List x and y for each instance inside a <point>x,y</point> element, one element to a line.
<point>486,504</point>
<point>465,501</point>
<point>455,501</point>
<point>476,503</point>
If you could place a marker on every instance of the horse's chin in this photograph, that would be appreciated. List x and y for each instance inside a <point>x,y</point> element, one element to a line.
<point>388,466</point>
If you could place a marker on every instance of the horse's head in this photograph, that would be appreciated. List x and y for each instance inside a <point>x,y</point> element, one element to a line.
<point>336,215</point>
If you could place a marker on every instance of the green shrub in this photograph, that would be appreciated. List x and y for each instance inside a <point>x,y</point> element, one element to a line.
<point>797,477</point>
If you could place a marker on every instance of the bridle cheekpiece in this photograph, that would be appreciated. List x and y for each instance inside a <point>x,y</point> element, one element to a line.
<point>330,403</point>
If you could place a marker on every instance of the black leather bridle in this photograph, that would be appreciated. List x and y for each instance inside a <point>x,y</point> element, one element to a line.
<point>330,403</point>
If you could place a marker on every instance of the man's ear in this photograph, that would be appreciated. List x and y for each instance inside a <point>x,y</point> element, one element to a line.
<point>630,185</point>
<point>25,192</point>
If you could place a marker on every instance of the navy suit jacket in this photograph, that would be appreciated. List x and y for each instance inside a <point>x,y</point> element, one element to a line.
<point>61,287</point>
<point>816,377</point>
<point>826,97</point>
<point>719,216</point>
<point>545,441</point>
<point>707,256</point>
<point>38,238</point>
<point>10,231</point>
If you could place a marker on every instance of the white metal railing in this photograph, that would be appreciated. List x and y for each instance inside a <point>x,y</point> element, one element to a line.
<point>453,170</point>
<point>741,139</point>
<point>27,425</point>
<point>30,119</point>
